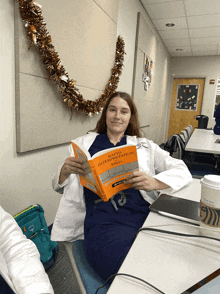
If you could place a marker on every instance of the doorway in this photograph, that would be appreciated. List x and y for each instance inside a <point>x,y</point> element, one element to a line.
<point>187,95</point>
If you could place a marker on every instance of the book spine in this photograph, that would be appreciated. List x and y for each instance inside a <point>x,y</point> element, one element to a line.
<point>96,177</point>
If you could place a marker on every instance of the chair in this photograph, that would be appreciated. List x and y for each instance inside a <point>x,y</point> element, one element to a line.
<point>199,160</point>
<point>191,128</point>
<point>185,134</point>
<point>199,164</point>
<point>189,131</point>
<point>175,146</point>
<point>198,171</point>
<point>183,138</point>
<point>199,168</point>
<point>87,278</point>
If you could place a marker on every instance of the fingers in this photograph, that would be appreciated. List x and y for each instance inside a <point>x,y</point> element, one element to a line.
<point>138,186</point>
<point>140,181</point>
<point>73,165</point>
<point>136,177</point>
<point>74,162</point>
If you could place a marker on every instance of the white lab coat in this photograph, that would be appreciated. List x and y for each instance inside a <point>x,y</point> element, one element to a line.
<point>69,221</point>
<point>20,263</point>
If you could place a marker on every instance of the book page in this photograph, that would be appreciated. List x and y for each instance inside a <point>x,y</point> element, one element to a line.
<point>82,149</point>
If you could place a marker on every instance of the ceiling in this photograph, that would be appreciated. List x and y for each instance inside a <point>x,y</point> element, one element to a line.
<point>197,25</point>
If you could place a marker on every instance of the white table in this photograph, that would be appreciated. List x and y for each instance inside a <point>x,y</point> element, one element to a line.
<point>203,140</point>
<point>171,263</point>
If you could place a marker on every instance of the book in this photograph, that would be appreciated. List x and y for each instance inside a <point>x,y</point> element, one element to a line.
<point>107,170</point>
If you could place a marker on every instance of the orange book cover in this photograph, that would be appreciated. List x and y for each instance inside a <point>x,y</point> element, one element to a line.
<point>107,170</point>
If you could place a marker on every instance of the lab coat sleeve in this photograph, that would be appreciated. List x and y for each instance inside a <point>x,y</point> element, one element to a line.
<point>70,216</point>
<point>86,141</point>
<point>170,171</point>
<point>22,258</point>
<point>55,181</point>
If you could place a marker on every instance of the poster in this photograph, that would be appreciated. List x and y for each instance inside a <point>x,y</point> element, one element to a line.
<point>148,72</point>
<point>187,97</point>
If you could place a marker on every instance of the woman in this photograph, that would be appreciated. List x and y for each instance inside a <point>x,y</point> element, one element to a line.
<point>109,229</point>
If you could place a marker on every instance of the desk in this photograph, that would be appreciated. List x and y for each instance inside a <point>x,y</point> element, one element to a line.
<point>203,140</point>
<point>170,263</point>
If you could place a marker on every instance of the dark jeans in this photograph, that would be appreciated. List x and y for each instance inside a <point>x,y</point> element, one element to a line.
<point>4,288</point>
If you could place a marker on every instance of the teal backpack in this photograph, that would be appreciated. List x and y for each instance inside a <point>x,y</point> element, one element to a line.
<point>33,224</point>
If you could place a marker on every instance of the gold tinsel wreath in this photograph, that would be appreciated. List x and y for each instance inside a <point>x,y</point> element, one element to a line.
<point>31,13</point>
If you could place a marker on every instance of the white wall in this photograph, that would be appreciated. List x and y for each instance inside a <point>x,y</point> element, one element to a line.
<point>26,179</point>
<point>154,107</point>
<point>207,67</point>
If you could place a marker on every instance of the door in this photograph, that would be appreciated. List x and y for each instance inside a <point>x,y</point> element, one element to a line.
<point>186,103</point>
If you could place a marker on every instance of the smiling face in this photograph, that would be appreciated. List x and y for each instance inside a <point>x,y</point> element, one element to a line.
<point>118,115</point>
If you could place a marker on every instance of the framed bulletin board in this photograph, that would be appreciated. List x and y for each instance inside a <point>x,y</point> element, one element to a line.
<point>84,33</point>
<point>187,97</point>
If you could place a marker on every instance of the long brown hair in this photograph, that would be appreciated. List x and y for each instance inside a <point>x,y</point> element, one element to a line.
<point>133,128</point>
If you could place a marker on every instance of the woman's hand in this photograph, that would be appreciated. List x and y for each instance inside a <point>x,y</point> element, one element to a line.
<point>142,181</point>
<point>72,165</point>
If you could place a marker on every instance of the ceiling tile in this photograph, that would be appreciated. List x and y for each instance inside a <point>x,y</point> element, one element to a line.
<point>204,53</point>
<point>202,21</point>
<point>197,34</point>
<point>202,7</point>
<point>205,49</point>
<point>165,9</point>
<point>179,53</point>
<point>205,41</point>
<point>177,42</point>
<point>180,23</point>
<point>184,48</point>
<point>172,34</point>
<point>204,32</point>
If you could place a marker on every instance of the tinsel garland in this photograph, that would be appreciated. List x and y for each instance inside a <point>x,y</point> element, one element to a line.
<point>31,13</point>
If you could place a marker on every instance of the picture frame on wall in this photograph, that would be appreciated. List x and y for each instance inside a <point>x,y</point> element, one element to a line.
<point>187,97</point>
<point>148,72</point>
